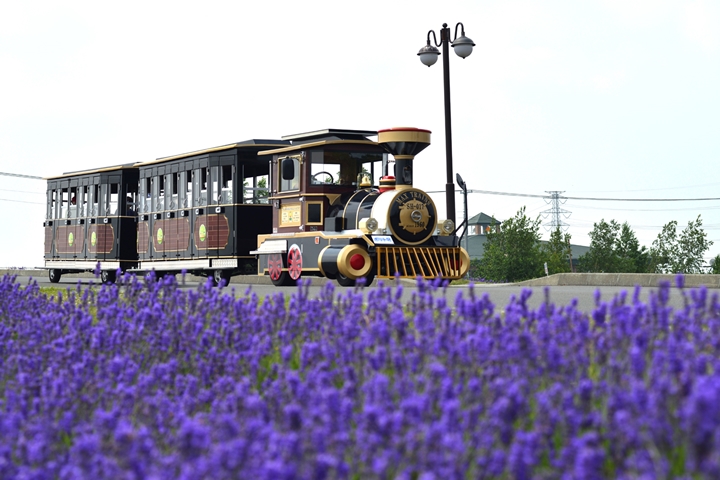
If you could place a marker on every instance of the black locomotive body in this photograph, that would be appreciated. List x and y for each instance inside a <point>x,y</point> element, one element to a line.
<point>339,214</point>
<point>316,204</point>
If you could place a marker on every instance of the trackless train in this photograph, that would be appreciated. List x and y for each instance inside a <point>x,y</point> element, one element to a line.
<point>330,203</point>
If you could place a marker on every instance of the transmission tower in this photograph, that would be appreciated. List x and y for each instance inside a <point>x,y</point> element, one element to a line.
<point>555,213</point>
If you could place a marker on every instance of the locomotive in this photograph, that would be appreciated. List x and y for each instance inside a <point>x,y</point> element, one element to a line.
<point>330,203</point>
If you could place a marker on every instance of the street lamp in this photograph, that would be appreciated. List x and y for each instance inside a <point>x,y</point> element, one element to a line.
<point>428,56</point>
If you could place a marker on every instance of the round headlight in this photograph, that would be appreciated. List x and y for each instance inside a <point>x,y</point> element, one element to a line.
<point>448,227</point>
<point>368,225</point>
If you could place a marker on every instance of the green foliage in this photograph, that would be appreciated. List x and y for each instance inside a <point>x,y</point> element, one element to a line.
<point>671,253</point>
<point>556,252</point>
<point>614,248</point>
<point>512,252</point>
<point>715,265</point>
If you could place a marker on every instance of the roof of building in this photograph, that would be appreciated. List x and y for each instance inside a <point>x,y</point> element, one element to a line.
<point>482,218</point>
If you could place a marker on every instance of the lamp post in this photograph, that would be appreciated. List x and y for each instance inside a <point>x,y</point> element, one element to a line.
<point>428,56</point>
<point>463,186</point>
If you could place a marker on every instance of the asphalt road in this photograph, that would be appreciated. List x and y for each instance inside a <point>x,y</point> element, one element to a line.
<point>499,294</point>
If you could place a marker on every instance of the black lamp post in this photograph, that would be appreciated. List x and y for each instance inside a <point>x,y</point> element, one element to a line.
<point>428,56</point>
<point>463,186</point>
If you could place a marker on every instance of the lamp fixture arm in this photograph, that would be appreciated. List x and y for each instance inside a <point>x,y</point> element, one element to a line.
<point>462,31</point>
<point>434,38</point>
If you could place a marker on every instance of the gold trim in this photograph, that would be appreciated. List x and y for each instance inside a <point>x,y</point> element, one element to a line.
<point>430,261</point>
<point>343,262</point>
<point>307,214</point>
<point>319,260</point>
<point>305,146</point>
<point>418,136</point>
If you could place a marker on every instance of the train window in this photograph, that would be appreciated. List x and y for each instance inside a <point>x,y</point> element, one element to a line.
<point>81,202</point>
<point>333,168</point>
<point>374,170</point>
<point>144,195</point>
<point>188,200</point>
<point>92,201</point>
<point>201,186</point>
<point>103,201</point>
<point>171,198</point>
<point>113,199</point>
<point>214,185</point>
<point>294,182</point>
<point>49,204</point>
<point>226,179</point>
<point>158,193</point>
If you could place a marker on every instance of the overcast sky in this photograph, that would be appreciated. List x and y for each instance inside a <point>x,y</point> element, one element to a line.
<point>615,99</point>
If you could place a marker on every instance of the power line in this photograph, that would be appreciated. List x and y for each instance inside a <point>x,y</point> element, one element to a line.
<point>20,201</point>
<point>19,175</point>
<point>488,192</point>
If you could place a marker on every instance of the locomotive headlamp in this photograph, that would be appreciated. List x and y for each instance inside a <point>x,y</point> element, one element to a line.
<point>368,225</point>
<point>447,227</point>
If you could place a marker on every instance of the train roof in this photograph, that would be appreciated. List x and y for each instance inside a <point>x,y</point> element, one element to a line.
<point>328,136</point>
<point>91,171</point>
<point>253,144</point>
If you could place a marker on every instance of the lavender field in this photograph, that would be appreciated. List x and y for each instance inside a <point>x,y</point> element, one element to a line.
<point>144,380</point>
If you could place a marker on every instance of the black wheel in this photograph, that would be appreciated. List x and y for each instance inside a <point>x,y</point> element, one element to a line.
<point>344,281</point>
<point>369,277</point>
<point>107,276</point>
<point>54,275</point>
<point>284,280</point>
<point>220,275</point>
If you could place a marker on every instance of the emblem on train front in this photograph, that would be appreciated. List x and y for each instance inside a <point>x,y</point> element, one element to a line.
<point>414,213</point>
<point>412,216</point>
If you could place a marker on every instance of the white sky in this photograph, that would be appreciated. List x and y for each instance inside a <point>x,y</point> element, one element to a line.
<point>597,98</point>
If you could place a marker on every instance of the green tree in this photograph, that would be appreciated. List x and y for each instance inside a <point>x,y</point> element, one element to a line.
<point>671,253</point>
<point>556,252</point>
<point>602,256</point>
<point>614,248</point>
<point>632,258</point>
<point>715,265</point>
<point>512,252</point>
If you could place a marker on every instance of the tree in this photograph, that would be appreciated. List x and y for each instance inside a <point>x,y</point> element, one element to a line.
<point>602,256</point>
<point>556,252</point>
<point>715,265</point>
<point>684,254</point>
<point>512,252</point>
<point>632,258</point>
<point>614,248</point>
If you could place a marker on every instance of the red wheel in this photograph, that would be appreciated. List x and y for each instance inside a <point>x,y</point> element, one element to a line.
<point>295,262</point>
<point>275,265</point>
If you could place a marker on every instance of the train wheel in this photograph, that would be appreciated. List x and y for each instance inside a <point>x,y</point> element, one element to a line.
<point>295,262</point>
<point>220,275</point>
<point>278,277</point>
<point>344,281</point>
<point>54,275</point>
<point>107,276</point>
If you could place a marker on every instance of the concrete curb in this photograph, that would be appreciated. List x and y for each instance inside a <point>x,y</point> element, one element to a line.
<point>620,280</point>
<point>557,280</point>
